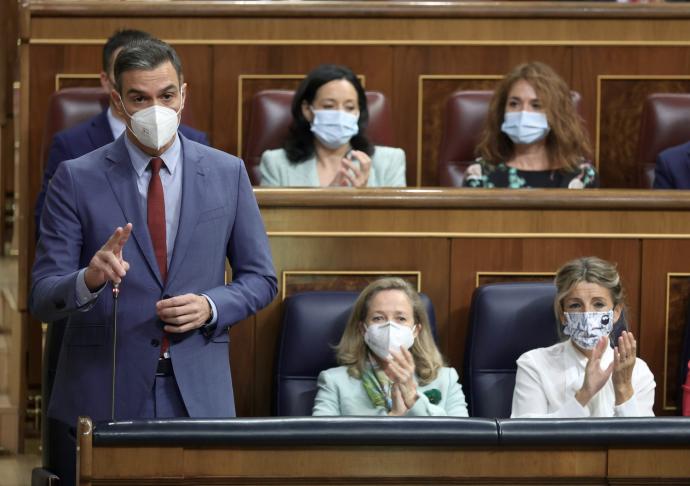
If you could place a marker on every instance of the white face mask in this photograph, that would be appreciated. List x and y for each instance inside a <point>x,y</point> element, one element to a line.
<point>382,338</point>
<point>154,126</point>
<point>525,127</point>
<point>334,128</point>
<point>586,328</point>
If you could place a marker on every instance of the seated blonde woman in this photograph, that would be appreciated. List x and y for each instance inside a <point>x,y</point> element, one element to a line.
<point>390,364</point>
<point>533,135</point>
<point>583,376</point>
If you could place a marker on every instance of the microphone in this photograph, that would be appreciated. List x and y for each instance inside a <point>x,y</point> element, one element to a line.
<point>116,295</point>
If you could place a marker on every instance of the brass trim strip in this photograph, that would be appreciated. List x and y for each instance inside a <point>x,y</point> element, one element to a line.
<point>426,234</point>
<point>613,77</point>
<point>60,76</point>
<point>669,276</point>
<point>286,273</point>
<point>420,106</point>
<point>479,274</point>
<point>384,42</point>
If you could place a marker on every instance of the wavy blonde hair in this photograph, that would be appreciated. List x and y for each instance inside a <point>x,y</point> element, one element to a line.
<point>352,351</point>
<point>567,143</point>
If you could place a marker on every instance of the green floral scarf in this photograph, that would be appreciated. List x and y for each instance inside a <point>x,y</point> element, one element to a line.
<point>378,387</point>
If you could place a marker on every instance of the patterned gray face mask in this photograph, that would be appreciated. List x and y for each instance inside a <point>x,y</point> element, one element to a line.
<point>586,328</point>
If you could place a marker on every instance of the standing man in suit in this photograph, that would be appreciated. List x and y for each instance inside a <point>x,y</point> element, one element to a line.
<point>69,144</point>
<point>103,128</point>
<point>672,169</point>
<point>157,214</point>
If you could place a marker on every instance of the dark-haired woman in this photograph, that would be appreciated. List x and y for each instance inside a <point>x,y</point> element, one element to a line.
<point>327,143</point>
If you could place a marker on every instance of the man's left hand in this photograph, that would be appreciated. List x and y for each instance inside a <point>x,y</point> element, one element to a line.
<point>183,313</point>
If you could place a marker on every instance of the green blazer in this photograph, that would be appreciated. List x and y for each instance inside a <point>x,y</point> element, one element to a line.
<point>341,394</point>
<point>387,169</point>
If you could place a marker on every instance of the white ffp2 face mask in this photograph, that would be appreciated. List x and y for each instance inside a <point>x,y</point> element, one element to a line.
<point>334,128</point>
<point>382,338</point>
<point>154,126</point>
<point>525,127</point>
<point>586,328</point>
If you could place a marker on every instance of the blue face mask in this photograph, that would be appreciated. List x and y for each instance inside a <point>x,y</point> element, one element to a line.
<point>334,128</point>
<point>525,127</point>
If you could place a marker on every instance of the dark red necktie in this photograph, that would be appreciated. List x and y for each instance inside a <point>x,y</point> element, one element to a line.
<point>155,213</point>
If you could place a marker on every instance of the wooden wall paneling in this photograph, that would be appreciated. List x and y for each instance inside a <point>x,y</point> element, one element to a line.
<point>621,102</point>
<point>256,60</point>
<point>12,353</point>
<point>663,314</point>
<point>294,282</point>
<point>612,113</point>
<point>429,257</point>
<point>529,255</point>
<point>197,66</point>
<point>421,70</point>
<point>242,359</point>
<point>677,300</point>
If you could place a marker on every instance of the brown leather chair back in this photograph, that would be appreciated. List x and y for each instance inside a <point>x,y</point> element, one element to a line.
<point>465,117</point>
<point>68,107</point>
<point>270,120</point>
<point>665,122</point>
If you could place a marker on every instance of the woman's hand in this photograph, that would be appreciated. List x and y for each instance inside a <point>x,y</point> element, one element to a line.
<point>352,173</point>
<point>400,371</point>
<point>595,377</point>
<point>624,357</point>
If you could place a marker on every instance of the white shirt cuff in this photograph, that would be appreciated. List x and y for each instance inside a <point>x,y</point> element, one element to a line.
<point>214,311</point>
<point>84,295</point>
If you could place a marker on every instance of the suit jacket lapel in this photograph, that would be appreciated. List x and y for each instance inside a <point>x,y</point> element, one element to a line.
<point>123,183</point>
<point>99,132</point>
<point>192,194</point>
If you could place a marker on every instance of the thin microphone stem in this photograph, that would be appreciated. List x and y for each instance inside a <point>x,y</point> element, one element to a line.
<point>116,295</point>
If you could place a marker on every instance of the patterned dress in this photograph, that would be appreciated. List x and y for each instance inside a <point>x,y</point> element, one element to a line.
<point>483,174</point>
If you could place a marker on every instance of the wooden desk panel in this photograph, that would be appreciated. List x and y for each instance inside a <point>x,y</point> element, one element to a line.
<point>277,453</point>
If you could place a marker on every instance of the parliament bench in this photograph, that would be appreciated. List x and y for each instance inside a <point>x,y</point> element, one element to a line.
<point>375,450</point>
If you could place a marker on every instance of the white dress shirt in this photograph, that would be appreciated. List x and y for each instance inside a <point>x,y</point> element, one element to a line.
<point>548,378</point>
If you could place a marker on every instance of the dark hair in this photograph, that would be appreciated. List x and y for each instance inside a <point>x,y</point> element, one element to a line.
<point>299,144</point>
<point>120,39</point>
<point>145,55</point>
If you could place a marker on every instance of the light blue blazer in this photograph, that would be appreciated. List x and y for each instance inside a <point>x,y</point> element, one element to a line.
<point>341,394</point>
<point>387,169</point>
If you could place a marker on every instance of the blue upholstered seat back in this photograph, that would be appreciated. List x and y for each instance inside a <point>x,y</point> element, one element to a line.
<point>506,320</point>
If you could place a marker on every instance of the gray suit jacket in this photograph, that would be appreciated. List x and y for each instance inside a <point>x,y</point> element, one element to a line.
<point>387,169</point>
<point>341,394</point>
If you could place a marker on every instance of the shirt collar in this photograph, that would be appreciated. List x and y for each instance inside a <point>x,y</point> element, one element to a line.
<point>140,159</point>
<point>117,126</point>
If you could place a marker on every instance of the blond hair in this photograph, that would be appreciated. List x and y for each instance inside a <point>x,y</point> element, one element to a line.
<point>567,143</point>
<point>352,351</point>
<point>587,269</point>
